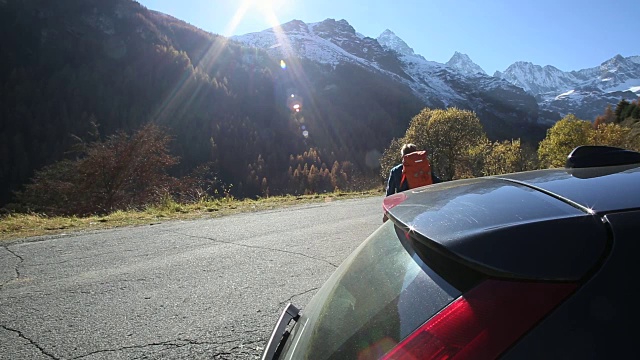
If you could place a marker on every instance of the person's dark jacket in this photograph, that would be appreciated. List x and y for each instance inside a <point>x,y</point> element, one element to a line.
<point>395,176</point>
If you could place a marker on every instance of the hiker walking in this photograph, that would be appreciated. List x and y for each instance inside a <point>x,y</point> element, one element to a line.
<point>414,171</point>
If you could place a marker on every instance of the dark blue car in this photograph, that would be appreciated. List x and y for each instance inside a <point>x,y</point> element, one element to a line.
<point>533,265</point>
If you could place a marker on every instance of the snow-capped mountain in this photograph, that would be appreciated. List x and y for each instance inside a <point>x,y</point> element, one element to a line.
<point>328,42</point>
<point>389,40</point>
<point>505,109</point>
<point>584,92</point>
<point>536,79</point>
<point>462,63</point>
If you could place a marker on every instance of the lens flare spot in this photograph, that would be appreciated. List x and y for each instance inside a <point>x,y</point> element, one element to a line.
<point>372,159</point>
<point>305,133</point>
<point>283,64</point>
<point>296,106</point>
<point>292,95</point>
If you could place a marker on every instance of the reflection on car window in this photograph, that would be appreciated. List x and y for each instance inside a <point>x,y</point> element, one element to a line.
<point>378,298</point>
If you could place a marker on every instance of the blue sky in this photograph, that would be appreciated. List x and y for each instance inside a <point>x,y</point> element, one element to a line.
<point>567,34</point>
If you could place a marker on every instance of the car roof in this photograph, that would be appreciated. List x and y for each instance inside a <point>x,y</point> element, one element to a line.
<point>600,189</point>
<point>508,225</point>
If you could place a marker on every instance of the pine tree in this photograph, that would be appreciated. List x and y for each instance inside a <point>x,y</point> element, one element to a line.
<point>609,117</point>
<point>620,108</point>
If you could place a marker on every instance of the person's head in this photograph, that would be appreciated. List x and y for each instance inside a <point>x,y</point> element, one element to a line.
<point>408,149</point>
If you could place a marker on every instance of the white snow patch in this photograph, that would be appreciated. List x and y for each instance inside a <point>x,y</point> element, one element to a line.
<point>563,95</point>
<point>628,85</point>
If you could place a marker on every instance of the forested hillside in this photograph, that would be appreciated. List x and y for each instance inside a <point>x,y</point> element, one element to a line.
<point>259,124</point>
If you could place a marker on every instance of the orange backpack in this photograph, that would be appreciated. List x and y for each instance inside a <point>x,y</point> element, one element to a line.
<point>416,169</point>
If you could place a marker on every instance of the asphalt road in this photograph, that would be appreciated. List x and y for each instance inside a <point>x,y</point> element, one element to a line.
<point>205,289</point>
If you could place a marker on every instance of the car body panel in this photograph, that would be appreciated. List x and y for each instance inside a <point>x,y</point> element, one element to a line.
<point>598,321</point>
<point>597,189</point>
<point>504,228</point>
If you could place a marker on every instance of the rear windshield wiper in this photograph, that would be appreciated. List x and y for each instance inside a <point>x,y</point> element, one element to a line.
<point>280,333</point>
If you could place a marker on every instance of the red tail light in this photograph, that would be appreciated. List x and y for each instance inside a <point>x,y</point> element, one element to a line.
<point>484,322</point>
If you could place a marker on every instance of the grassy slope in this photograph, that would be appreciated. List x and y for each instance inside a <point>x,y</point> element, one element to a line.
<point>16,226</point>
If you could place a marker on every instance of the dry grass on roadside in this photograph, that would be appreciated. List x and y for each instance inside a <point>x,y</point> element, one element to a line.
<point>14,226</point>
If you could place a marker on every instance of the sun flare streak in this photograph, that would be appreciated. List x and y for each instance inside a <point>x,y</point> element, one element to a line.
<point>265,8</point>
<point>238,17</point>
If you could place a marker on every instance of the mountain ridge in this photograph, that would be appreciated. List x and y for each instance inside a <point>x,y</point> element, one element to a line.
<point>463,63</point>
<point>584,92</point>
<point>512,114</point>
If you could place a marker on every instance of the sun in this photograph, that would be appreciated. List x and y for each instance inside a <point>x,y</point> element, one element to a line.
<point>267,9</point>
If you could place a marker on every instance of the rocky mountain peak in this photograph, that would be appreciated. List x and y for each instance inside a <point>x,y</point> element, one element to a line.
<point>332,29</point>
<point>463,63</point>
<point>295,25</point>
<point>390,41</point>
<point>618,64</point>
<point>536,79</point>
<point>521,65</point>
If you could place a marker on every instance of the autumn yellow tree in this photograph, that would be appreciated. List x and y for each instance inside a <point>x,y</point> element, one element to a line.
<point>611,135</point>
<point>561,139</point>
<point>449,136</point>
<point>506,157</point>
<point>625,133</point>
<point>571,132</point>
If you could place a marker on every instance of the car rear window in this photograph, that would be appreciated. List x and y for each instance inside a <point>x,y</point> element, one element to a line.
<point>377,297</point>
